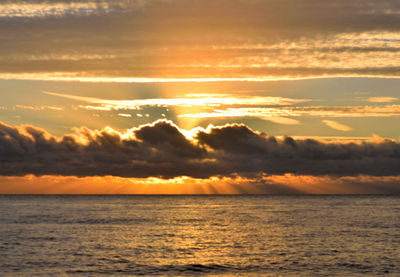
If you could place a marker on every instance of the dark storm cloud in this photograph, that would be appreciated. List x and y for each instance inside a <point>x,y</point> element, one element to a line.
<point>161,150</point>
<point>181,38</point>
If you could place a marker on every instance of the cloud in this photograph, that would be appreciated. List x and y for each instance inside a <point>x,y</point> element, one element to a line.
<point>271,114</point>
<point>268,113</point>
<point>382,99</point>
<point>203,100</point>
<point>49,9</point>
<point>189,100</point>
<point>282,120</point>
<point>162,150</point>
<point>157,40</point>
<point>38,108</point>
<point>336,125</point>
<point>19,9</point>
<point>124,115</point>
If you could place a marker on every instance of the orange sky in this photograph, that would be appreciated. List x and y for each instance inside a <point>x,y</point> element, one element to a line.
<point>285,184</point>
<point>187,96</point>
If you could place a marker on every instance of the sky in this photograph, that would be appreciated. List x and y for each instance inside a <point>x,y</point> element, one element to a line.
<point>193,97</point>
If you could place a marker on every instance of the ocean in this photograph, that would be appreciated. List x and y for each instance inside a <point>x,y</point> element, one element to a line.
<point>76,235</point>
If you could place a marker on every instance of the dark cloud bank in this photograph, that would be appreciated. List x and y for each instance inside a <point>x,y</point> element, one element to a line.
<point>161,150</point>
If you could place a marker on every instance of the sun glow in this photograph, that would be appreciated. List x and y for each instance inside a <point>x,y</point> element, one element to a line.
<point>189,100</point>
<point>271,184</point>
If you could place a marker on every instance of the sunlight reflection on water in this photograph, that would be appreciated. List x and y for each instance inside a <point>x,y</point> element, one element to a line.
<point>191,235</point>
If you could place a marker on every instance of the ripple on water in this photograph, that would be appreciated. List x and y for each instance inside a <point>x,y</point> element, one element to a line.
<point>222,236</point>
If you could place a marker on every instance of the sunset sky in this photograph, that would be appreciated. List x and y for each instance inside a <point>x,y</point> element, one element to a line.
<point>186,96</point>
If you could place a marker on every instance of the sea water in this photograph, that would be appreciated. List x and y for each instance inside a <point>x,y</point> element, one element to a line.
<point>199,235</point>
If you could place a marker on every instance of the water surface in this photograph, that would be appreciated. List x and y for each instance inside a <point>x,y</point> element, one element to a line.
<point>200,235</point>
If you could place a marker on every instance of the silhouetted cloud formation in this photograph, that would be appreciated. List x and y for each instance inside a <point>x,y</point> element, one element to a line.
<point>162,150</point>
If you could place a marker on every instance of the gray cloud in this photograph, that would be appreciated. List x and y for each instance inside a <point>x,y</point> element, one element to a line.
<point>183,39</point>
<point>161,150</point>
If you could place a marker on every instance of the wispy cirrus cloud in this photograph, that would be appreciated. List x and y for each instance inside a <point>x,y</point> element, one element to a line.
<point>272,114</point>
<point>382,99</point>
<point>204,101</point>
<point>137,41</point>
<point>37,9</point>
<point>336,125</point>
<point>299,111</point>
<point>279,110</point>
<point>124,115</point>
<point>39,108</point>
<point>188,100</point>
